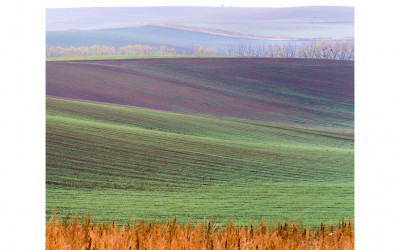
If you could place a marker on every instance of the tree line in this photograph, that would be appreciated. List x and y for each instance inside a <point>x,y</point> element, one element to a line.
<point>331,49</point>
<point>325,49</point>
<point>97,50</point>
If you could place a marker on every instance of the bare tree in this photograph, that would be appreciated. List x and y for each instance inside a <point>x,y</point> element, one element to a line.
<point>324,49</point>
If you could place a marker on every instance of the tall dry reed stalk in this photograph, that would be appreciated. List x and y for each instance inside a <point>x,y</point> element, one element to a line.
<point>83,234</point>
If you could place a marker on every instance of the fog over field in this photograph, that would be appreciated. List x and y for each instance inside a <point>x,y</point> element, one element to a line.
<point>183,28</point>
<point>121,17</point>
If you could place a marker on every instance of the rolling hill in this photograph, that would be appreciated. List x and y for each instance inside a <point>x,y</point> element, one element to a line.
<point>117,161</point>
<point>183,41</point>
<point>310,94</point>
<point>238,138</point>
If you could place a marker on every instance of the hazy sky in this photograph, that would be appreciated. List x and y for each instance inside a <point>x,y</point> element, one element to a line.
<point>212,3</point>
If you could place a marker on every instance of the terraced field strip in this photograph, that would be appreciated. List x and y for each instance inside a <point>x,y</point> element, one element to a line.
<point>191,166</point>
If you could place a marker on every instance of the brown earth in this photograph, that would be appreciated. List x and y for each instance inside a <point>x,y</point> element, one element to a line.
<point>303,93</point>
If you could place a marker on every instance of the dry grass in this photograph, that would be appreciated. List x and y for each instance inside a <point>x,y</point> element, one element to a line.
<point>84,234</point>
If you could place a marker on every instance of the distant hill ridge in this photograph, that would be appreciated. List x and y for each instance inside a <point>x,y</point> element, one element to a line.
<point>122,17</point>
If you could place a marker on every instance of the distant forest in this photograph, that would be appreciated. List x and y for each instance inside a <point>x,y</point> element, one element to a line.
<point>325,49</point>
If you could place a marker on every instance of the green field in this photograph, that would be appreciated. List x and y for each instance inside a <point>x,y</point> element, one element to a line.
<point>118,162</point>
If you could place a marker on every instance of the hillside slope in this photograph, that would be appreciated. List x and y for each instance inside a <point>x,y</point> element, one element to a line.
<point>309,94</point>
<point>220,37</point>
<point>183,41</point>
<point>116,162</point>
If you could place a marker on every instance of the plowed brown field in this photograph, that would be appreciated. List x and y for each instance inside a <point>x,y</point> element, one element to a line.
<point>313,94</point>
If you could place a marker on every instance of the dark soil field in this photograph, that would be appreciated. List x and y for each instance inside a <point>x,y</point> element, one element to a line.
<point>301,93</point>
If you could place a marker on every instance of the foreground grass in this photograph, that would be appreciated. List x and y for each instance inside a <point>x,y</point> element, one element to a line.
<point>310,204</point>
<point>116,161</point>
<point>84,234</point>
